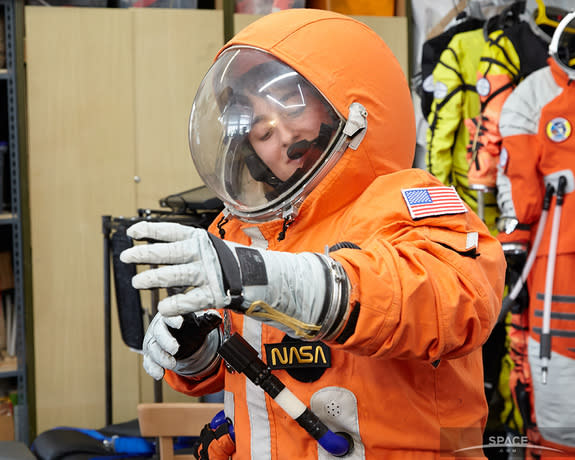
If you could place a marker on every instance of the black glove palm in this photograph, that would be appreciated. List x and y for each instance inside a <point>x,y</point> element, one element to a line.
<point>193,332</point>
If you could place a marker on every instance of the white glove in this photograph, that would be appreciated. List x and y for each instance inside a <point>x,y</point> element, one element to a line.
<point>508,219</point>
<point>161,348</point>
<point>504,195</point>
<point>305,295</point>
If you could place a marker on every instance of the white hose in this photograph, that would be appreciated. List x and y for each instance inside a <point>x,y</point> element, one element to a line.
<point>508,301</point>
<point>549,278</point>
<point>531,258</point>
<point>550,275</point>
<point>545,337</point>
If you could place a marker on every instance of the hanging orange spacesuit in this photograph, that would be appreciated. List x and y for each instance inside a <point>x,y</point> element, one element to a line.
<point>535,184</point>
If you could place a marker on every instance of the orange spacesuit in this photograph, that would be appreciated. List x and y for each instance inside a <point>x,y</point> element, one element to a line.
<point>402,373</point>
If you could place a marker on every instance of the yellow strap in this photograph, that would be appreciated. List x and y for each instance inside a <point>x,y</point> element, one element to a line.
<point>542,19</point>
<point>305,330</point>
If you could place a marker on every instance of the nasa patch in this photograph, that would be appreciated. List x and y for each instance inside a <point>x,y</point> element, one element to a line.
<point>558,129</point>
<point>302,360</point>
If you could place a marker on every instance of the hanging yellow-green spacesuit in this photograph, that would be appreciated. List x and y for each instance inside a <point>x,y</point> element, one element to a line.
<point>455,99</point>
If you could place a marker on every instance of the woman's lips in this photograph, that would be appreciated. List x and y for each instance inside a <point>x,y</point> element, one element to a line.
<point>298,163</point>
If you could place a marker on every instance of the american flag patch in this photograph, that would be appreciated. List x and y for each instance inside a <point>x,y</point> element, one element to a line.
<point>432,201</point>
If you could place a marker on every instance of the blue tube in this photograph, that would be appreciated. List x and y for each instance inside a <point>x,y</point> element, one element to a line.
<point>336,444</point>
<point>133,446</point>
<point>220,418</point>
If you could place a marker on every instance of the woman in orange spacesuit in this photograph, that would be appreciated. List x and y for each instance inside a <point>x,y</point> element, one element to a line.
<point>366,286</point>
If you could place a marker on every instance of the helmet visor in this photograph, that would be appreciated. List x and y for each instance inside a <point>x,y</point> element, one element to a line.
<point>258,130</point>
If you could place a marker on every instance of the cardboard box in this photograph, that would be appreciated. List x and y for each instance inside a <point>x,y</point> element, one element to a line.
<point>356,7</point>
<point>6,273</point>
<point>6,428</point>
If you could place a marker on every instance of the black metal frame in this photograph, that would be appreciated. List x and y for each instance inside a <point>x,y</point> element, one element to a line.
<point>199,212</point>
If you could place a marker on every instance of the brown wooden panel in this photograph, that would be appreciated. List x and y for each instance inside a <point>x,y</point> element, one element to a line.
<point>82,156</point>
<point>393,30</point>
<point>176,419</point>
<point>172,52</point>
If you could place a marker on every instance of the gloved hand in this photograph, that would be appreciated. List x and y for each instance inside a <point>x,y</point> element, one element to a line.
<point>504,195</point>
<point>216,441</point>
<point>305,295</point>
<point>187,345</point>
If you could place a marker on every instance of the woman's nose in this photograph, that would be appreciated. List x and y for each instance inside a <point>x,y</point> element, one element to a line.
<point>288,134</point>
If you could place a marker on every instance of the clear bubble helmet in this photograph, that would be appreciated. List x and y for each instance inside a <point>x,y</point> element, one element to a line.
<point>260,134</point>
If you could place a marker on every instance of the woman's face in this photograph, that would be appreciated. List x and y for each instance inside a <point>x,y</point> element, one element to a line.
<point>281,118</point>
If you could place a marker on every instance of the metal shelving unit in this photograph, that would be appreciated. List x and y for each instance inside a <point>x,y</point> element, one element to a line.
<point>22,373</point>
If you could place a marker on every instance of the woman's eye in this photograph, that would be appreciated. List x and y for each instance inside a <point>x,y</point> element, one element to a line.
<point>266,135</point>
<point>262,132</point>
<point>262,128</point>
